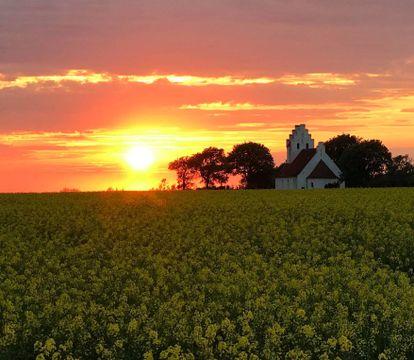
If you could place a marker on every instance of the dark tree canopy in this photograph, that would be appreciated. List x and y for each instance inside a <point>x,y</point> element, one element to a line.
<point>254,163</point>
<point>364,161</point>
<point>210,166</point>
<point>337,145</point>
<point>369,162</point>
<point>185,173</point>
<point>401,165</point>
<point>400,173</point>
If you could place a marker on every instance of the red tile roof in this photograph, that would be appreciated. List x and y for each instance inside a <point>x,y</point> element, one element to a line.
<point>322,171</point>
<point>297,165</point>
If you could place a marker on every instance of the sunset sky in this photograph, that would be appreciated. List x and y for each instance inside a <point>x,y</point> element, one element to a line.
<point>84,83</point>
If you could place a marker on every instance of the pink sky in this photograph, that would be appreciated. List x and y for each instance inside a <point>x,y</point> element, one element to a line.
<point>82,82</point>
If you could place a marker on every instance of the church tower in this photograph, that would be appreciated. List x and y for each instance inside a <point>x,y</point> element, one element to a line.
<point>299,140</point>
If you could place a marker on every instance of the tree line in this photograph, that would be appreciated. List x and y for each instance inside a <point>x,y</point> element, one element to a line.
<point>251,161</point>
<point>364,163</point>
<point>369,163</point>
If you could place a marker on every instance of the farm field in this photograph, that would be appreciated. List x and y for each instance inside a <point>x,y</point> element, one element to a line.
<point>208,275</point>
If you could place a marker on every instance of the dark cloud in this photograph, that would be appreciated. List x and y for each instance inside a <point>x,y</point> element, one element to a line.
<point>205,36</point>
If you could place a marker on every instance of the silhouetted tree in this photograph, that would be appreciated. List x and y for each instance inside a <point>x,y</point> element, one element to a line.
<point>254,163</point>
<point>210,166</point>
<point>400,173</point>
<point>364,161</point>
<point>185,172</point>
<point>337,145</point>
<point>163,186</point>
<point>70,190</point>
<point>401,165</point>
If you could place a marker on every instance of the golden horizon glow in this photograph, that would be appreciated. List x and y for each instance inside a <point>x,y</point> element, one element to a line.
<point>98,159</point>
<point>139,157</point>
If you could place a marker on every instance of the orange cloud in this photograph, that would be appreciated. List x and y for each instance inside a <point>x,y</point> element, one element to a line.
<point>77,76</point>
<point>391,110</point>
<point>313,80</point>
<point>318,80</point>
<point>247,106</point>
<point>90,77</point>
<point>251,124</point>
<point>191,80</point>
<point>222,81</point>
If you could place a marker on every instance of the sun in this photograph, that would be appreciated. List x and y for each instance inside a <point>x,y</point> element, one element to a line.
<point>139,157</point>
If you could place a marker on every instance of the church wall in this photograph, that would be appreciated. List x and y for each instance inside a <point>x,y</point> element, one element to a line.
<point>318,183</point>
<point>285,183</point>
<point>292,184</point>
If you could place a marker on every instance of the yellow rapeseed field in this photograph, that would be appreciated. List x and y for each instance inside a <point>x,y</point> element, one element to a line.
<point>208,275</point>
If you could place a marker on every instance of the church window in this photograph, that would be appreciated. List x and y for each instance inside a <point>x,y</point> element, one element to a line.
<point>297,146</point>
<point>307,145</point>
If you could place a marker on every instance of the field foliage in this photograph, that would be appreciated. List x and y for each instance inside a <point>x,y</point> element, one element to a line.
<point>208,275</point>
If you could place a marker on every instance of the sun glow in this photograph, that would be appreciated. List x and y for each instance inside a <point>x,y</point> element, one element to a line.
<point>139,157</point>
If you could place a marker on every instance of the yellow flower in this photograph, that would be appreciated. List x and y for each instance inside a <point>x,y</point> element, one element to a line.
<point>308,330</point>
<point>344,343</point>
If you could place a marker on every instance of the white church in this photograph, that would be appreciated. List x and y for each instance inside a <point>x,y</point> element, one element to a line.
<point>306,167</point>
